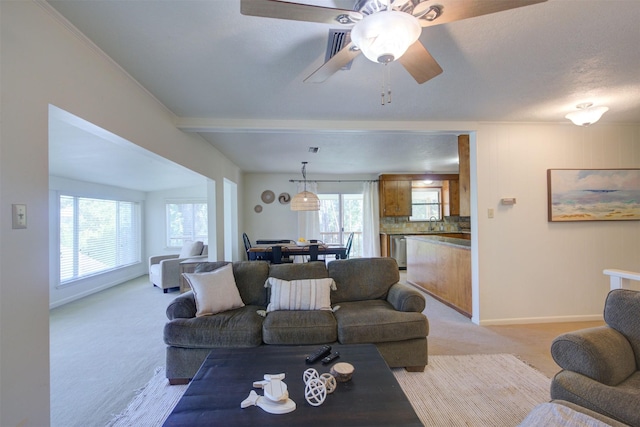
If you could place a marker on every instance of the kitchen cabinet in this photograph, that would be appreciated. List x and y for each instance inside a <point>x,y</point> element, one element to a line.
<point>395,198</point>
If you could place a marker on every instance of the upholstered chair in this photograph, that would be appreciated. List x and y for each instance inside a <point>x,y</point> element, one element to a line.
<point>600,366</point>
<point>164,270</point>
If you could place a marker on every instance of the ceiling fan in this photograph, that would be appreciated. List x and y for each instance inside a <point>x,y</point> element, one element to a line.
<point>383,30</point>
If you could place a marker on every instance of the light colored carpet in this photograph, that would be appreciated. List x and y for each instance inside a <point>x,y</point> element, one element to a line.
<point>473,390</point>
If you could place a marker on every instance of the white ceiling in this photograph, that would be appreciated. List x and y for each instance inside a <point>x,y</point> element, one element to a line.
<point>240,78</point>
<point>82,151</point>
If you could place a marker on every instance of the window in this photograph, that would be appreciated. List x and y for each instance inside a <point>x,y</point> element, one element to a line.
<point>341,215</point>
<point>186,220</point>
<point>426,203</point>
<point>97,235</point>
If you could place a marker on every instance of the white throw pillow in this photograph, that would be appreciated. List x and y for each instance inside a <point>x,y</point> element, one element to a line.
<point>305,294</point>
<point>191,249</point>
<point>214,291</point>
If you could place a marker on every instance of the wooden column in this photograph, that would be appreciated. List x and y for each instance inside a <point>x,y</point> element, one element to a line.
<point>464,183</point>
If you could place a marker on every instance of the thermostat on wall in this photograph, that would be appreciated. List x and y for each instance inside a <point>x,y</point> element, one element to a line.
<point>508,201</point>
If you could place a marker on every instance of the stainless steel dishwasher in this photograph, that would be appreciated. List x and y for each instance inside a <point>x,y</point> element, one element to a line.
<point>399,250</point>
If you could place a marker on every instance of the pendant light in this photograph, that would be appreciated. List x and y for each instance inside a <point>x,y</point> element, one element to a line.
<point>306,200</point>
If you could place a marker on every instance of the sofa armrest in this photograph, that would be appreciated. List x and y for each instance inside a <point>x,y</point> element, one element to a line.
<point>601,353</point>
<point>157,258</point>
<point>404,298</point>
<point>183,307</point>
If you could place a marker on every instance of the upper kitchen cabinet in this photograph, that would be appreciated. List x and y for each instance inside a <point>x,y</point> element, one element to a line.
<point>395,196</point>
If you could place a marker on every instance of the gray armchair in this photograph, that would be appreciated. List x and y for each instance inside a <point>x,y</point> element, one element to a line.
<point>164,270</point>
<point>601,366</point>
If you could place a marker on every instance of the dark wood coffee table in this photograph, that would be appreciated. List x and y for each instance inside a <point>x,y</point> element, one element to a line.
<point>373,397</point>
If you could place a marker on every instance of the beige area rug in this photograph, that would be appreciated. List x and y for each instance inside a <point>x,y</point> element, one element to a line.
<point>472,390</point>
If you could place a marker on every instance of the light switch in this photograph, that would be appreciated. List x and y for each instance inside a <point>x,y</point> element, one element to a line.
<point>19,216</point>
<point>490,213</point>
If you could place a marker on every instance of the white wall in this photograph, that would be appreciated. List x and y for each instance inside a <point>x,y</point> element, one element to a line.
<point>44,62</point>
<point>59,295</point>
<point>155,216</point>
<point>530,270</point>
<point>278,221</point>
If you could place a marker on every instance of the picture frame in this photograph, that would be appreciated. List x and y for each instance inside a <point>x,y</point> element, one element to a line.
<point>593,195</point>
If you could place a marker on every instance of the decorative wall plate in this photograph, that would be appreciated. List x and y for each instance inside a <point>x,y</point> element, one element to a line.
<point>284,198</point>
<point>268,196</point>
<point>258,208</point>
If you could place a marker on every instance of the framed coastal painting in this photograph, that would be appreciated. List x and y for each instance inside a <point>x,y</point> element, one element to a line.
<point>593,194</point>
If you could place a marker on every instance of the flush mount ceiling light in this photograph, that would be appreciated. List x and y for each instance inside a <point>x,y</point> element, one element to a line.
<point>587,114</point>
<point>306,200</point>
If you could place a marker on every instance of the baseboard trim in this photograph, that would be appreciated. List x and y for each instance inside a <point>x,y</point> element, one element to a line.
<point>95,290</point>
<point>551,319</point>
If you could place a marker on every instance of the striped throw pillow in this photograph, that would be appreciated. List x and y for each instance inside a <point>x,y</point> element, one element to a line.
<point>305,294</point>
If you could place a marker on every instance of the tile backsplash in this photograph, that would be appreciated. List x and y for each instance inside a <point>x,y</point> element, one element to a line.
<point>401,225</point>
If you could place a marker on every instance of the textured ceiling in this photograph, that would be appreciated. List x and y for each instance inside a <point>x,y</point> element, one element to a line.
<point>207,62</point>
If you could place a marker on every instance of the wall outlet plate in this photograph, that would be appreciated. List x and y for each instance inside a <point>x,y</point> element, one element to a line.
<point>19,216</point>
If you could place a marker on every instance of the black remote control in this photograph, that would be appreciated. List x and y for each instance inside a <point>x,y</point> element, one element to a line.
<point>319,354</point>
<point>330,358</point>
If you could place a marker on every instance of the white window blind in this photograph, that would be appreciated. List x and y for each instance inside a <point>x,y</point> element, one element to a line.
<point>97,235</point>
<point>186,220</point>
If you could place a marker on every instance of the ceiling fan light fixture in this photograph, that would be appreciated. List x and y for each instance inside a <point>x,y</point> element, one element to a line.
<point>587,114</point>
<point>385,36</point>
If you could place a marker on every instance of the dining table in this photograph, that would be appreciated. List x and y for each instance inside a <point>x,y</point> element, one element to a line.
<point>276,252</point>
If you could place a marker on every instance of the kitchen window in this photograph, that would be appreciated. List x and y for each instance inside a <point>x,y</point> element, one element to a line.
<point>426,203</point>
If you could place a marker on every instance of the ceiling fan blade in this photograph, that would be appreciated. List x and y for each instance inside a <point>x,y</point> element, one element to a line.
<point>336,62</point>
<point>455,10</point>
<point>419,63</point>
<point>298,12</point>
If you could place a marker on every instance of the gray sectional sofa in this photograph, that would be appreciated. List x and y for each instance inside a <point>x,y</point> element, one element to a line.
<point>373,308</point>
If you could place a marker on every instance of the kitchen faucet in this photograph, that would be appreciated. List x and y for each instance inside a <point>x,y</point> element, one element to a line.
<point>431,223</point>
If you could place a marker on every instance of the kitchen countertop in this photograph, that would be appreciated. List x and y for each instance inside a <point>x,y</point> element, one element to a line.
<point>423,233</point>
<point>449,241</point>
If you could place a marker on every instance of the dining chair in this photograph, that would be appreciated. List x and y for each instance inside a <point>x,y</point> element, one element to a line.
<point>247,243</point>
<point>349,244</point>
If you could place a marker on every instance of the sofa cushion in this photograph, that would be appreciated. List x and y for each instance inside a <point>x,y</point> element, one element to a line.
<point>620,402</point>
<point>303,294</point>
<point>241,327</point>
<point>377,321</point>
<point>250,277</point>
<point>191,249</point>
<point>307,270</point>
<point>621,313</point>
<point>154,270</point>
<point>361,279</point>
<point>214,291</point>
<point>299,327</point>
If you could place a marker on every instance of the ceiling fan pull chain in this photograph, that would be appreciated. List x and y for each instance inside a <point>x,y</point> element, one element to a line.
<point>386,85</point>
<point>382,92</point>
